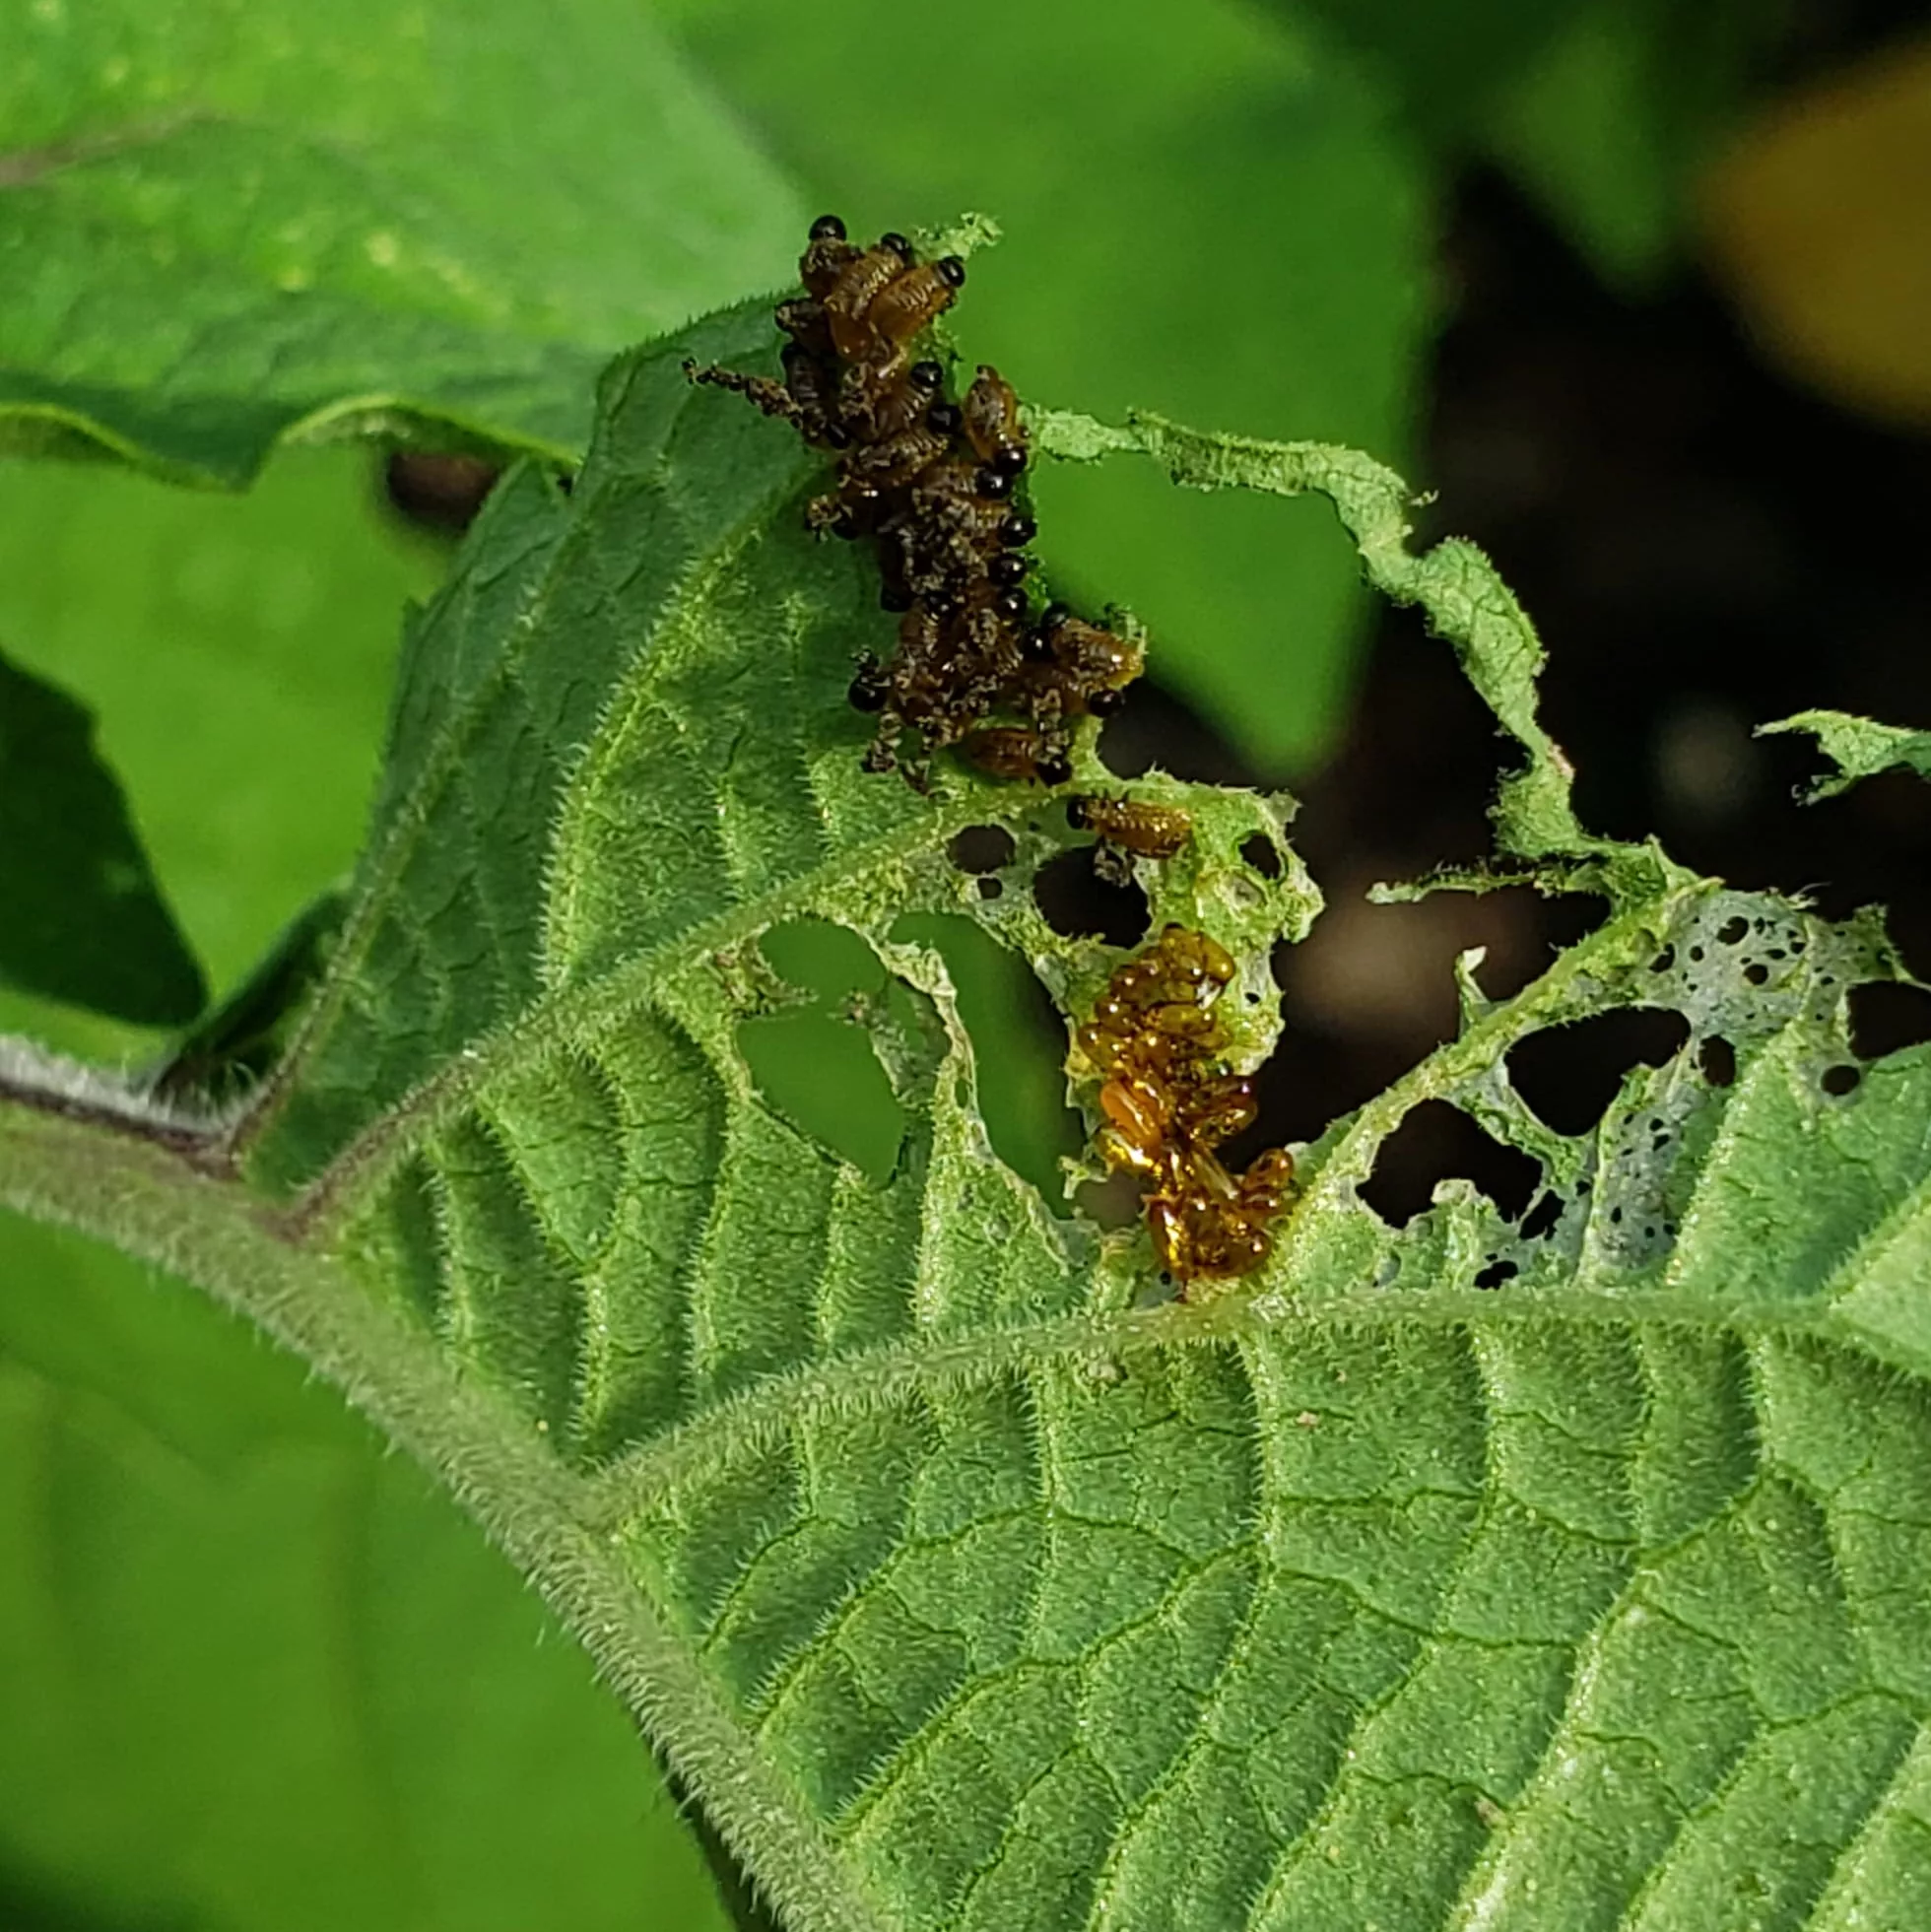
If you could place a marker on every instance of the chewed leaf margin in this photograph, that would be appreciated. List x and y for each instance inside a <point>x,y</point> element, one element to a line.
<point>1858,747</point>
<point>1463,598</point>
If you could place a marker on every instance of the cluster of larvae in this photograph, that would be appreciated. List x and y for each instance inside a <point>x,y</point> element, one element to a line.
<point>936,486</point>
<point>1158,1048</point>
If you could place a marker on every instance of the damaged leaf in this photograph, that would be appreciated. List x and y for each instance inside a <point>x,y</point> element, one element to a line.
<point>1551,1567</point>
<point>1858,747</point>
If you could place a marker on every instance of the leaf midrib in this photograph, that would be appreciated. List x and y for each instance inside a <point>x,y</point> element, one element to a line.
<point>217,1235</point>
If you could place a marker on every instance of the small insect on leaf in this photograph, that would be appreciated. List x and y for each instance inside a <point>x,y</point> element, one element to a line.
<point>1170,1099</point>
<point>932,484</point>
<point>1151,831</point>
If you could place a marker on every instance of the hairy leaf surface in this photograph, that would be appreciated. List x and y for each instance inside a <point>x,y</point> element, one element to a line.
<point>1858,747</point>
<point>257,1674</point>
<point>1485,1571</point>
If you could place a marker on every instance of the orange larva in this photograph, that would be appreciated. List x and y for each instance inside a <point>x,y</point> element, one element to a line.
<point>1152,832</point>
<point>1168,1101</point>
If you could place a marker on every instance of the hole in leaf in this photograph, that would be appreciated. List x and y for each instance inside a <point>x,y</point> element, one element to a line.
<point>1557,922</point>
<point>1543,1217</point>
<point>1716,1059</point>
<point>1733,930</point>
<point>1386,975</point>
<point>1020,1045</point>
<point>1438,1142</point>
<point>1261,853</point>
<point>1113,1202</point>
<point>1079,902</point>
<point>981,848</point>
<point>1839,1081</point>
<point>989,888</point>
<point>813,1066</point>
<point>438,492</point>
<point>1568,1075</point>
<point>1756,972</point>
<point>1495,1273</point>
<point>1663,959</point>
<point>1153,726</point>
<point>1887,1017</point>
<point>1372,990</point>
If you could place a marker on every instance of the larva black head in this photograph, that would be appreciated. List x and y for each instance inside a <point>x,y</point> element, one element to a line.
<point>1053,616</point>
<point>1106,701</point>
<point>1011,460</point>
<point>1012,604</point>
<point>952,271</point>
<point>1077,816</point>
<point>1008,568</point>
<point>827,228</point>
<point>927,375</point>
<point>898,244</point>
<point>992,483</point>
<point>1055,768</point>
<point>944,418</point>
<point>1036,647</point>
<point>867,691</point>
<point>1017,530</point>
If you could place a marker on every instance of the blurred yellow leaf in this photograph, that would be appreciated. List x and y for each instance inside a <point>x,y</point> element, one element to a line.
<point>1818,218</point>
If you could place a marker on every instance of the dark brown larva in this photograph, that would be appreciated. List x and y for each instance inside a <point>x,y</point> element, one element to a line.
<point>1019,753</point>
<point>933,485</point>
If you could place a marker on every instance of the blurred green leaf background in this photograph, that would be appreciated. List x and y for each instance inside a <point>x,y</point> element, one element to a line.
<point>256,1674</point>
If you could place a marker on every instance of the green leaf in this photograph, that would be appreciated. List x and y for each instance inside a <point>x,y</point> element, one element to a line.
<point>237,655</point>
<point>85,920</point>
<point>241,1042</point>
<point>1204,211</point>
<point>1446,1576</point>
<point>1858,747</point>
<point>1610,124</point>
<point>257,1674</point>
<point>254,223</point>
<point>1603,109</point>
<point>1448,62</point>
